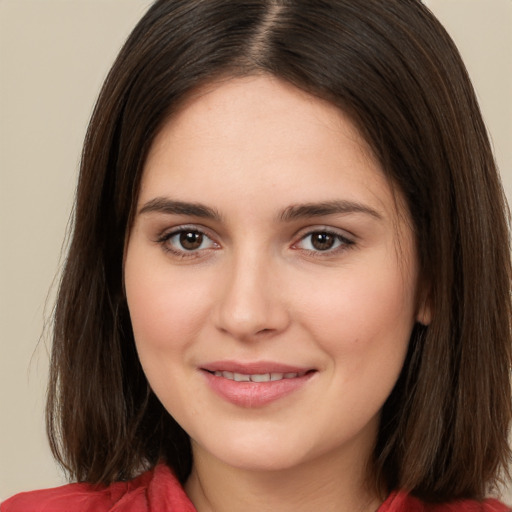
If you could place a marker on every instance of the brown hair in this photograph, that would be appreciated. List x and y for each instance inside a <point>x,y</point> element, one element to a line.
<point>393,68</point>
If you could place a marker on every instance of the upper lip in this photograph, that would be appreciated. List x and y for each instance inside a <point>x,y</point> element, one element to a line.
<point>253,368</point>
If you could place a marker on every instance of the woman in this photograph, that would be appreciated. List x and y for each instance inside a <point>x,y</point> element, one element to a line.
<point>289,280</point>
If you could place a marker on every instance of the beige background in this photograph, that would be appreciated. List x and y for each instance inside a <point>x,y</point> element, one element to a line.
<point>54,55</point>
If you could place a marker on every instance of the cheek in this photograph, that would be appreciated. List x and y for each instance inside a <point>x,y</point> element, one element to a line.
<point>166,316</point>
<point>361,315</point>
<point>164,309</point>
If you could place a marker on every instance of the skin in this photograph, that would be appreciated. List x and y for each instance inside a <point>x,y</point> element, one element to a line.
<point>256,288</point>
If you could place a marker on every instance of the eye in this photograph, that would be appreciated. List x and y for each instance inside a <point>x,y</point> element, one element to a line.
<point>323,241</point>
<point>186,240</point>
<point>189,240</point>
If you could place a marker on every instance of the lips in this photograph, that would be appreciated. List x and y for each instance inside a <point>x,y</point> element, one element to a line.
<point>253,368</point>
<point>258,377</point>
<point>254,384</point>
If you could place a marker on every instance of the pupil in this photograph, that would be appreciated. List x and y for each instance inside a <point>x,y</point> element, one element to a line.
<point>190,240</point>
<point>322,241</point>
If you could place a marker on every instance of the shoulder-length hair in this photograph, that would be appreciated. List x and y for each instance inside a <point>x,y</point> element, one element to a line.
<point>391,67</point>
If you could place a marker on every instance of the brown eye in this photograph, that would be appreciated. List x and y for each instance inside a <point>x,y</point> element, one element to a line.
<point>328,242</point>
<point>191,240</point>
<point>187,242</point>
<point>322,241</point>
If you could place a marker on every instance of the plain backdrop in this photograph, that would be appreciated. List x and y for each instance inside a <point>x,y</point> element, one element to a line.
<point>54,55</point>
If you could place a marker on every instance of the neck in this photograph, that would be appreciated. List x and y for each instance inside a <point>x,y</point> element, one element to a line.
<point>324,484</point>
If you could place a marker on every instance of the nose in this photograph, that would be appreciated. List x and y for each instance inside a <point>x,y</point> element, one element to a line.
<point>251,302</point>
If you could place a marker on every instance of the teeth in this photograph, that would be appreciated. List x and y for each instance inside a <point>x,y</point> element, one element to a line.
<point>257,377</point>
<point>265,377</point>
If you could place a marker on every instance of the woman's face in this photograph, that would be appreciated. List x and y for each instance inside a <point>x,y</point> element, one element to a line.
<point>271,277</point>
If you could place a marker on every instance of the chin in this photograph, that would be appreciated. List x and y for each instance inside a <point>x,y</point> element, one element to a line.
<point>252,452</point>
<point>261,461</point>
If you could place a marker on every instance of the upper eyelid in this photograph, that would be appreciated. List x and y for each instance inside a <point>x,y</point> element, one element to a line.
<point>163,241</point>
<point>299,235</point>
<point>164,237</point>
<point>343,233</point>
<point>341,238</point>
<point>169,232</point>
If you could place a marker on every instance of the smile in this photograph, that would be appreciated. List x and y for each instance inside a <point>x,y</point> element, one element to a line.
<point>258,377</point>
<point>255,385</point>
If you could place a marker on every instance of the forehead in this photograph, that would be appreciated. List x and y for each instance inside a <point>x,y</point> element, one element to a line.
<point>256,131</point>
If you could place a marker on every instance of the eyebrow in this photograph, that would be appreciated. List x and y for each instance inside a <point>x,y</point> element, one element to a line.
<point>307,210</point>
<point>172,207</point>
<point>291,213</point>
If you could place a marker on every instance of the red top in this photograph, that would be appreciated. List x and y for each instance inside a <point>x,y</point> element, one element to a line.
<point>159,491</point>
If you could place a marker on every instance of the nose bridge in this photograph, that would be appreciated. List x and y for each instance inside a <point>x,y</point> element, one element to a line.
<point>249,304</point>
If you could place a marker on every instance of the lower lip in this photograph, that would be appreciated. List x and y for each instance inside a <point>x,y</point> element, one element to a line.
<point>254,394</point>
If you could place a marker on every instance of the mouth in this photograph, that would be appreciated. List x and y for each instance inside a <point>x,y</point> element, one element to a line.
<point>258,377</point>
<point>255,385</point>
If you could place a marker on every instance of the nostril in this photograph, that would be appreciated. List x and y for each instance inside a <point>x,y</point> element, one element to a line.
<point>264,331</point>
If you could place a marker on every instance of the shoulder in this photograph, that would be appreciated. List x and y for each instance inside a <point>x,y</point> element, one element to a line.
<point>402,502</point>
<point>154,490</point>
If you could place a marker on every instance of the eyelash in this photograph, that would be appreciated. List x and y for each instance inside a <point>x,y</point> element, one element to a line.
<point>164,241</point>
<point>343,242</point>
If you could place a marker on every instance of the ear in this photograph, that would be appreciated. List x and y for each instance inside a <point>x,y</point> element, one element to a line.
<point>424,309</point>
